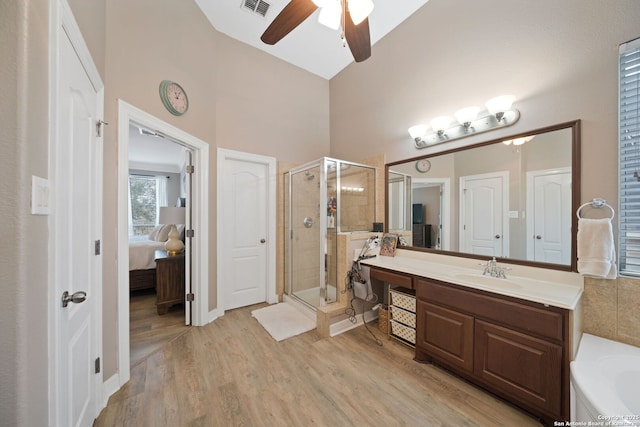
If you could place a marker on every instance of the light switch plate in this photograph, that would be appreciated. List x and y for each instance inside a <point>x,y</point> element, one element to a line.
<point>40,200</point>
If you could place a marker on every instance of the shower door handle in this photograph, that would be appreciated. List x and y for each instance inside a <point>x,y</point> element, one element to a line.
<point>307,222</point>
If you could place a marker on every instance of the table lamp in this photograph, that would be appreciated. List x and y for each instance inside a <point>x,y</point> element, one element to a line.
<point>173,216</point>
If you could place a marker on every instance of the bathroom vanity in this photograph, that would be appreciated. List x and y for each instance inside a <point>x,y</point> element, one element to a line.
<point>511,336</point>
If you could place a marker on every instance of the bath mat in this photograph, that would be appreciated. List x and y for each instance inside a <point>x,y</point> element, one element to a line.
<point>283,321</point>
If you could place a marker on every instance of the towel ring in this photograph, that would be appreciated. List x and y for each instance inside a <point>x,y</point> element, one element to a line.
<point>597,204</point>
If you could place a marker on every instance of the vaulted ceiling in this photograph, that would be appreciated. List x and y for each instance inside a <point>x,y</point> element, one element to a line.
<point>311,46</point>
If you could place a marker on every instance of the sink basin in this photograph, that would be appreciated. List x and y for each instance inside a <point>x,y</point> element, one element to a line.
<point>494,282</point>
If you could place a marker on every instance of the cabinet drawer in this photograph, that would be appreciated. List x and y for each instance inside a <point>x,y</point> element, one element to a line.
<point>403,316</point>
<point>531,319</point>
<point>500,357</point>
<point>402,300</point>
<point>393,278</point>
<point>406,333</point>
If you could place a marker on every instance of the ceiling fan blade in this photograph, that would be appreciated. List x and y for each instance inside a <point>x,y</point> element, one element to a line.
<point>357,37</point>
<point>291,16</point>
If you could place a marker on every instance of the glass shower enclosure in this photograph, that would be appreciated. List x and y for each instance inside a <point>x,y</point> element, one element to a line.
<point>322,199</point>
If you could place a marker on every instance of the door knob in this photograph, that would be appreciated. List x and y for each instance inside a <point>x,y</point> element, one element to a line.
<point>76,298</point>
<point>308,222</point>
<point>538,237</point>
<point>497,236</point>
<point>263,240</point>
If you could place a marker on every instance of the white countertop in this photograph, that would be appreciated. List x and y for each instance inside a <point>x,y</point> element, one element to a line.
<point>549,287</point>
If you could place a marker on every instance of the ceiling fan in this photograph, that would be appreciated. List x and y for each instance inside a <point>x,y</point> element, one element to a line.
<point>351,15</point>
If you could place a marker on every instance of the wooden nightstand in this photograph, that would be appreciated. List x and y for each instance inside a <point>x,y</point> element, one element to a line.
<point>169,281</point>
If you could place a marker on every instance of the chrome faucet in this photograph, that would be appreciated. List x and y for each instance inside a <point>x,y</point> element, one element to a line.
<point>491,268</point>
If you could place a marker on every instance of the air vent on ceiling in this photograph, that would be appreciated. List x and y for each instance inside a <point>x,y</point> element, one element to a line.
<point>257,6</point>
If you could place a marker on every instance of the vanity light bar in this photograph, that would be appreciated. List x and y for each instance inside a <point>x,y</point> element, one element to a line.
<point>484,123</point>
<point>499,113</point>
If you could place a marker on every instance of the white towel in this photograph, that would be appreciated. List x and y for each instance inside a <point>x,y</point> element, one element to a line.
<point>596,250</point>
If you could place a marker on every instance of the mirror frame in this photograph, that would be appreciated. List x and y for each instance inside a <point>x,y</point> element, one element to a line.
<point>574,125</point>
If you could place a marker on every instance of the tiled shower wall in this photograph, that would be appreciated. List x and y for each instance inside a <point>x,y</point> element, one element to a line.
<point>611,309</point>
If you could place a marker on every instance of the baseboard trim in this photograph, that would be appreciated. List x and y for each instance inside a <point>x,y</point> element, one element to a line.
<point>109,387</point>
<point>345,325</point>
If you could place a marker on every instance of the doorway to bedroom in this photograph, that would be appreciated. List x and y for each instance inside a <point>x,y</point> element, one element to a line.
<point>172,209</point>
<point>158,181</point>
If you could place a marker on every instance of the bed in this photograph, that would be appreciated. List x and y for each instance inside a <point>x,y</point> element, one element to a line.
<point>142,262</point>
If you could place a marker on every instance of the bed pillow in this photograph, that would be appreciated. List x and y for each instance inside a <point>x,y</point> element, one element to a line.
<point>160,233</point>
<point>153,235</point>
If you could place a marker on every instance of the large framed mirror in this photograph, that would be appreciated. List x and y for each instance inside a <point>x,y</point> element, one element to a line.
<point>513,198</point>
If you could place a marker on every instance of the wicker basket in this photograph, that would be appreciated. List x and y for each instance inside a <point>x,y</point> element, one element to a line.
<point>403,316</point>
<point>383,319</point>
<point>408,302</point>
<point>404,332</point>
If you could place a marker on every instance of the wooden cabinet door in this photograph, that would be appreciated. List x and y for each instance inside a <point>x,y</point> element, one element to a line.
<point>445,334</point>
<point>526,369</point>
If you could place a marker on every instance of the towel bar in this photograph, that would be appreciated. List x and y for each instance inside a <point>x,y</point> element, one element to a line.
<point>597,204</point>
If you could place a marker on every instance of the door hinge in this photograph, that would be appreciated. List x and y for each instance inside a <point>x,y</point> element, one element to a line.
<point>97,366</point>
<point>99,126</point>
<point>189,233</point>
<point>190,169</point>
<point>96,249</point>
<point>190,297</point>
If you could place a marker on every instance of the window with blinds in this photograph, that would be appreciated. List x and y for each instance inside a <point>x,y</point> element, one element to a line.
<point>629,158</point>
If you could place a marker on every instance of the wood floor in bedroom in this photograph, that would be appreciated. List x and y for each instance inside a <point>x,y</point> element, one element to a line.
<point>232,373</point>
<point>148,331</point>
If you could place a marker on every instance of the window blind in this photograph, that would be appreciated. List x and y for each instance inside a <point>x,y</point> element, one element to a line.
<point>629,158</point>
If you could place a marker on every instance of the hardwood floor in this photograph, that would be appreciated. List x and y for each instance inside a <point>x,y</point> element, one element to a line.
<point>232,373</point>
<point>149,332</point>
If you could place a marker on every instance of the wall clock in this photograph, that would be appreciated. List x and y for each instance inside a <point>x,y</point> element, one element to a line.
<point>423,165</point>
<point>174,97</point>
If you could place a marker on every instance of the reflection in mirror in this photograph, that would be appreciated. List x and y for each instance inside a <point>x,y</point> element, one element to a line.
<point>399,194</point>
<point>510,201</point>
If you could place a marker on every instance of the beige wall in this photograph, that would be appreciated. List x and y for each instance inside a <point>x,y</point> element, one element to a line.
<point>558,58</point>
<point>240,99</point>
<point>24,37</point>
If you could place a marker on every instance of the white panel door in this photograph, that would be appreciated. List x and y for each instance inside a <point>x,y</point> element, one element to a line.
<point>550,229</point>
<point>76,265</point>
<point>245,220</point>
<point>484,214</point>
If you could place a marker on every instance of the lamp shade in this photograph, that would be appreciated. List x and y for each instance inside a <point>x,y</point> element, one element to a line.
<point>441,123</point>
<point>359,10</point>
<point>500,104</point>
<point>467,115</point>
<point>330,14</point>
<point>172,215</point>
<point>417,131</point>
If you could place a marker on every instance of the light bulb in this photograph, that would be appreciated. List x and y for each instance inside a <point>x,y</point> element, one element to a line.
<point>360,10</point>
<point>440,124</point>
<point>466,116</point>
<point>330,14</point>
<point>498,105</point>
<point>417,131</point>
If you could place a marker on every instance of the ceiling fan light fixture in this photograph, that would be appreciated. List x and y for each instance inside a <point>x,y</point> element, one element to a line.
<point>319,3</point>
<point>360,10</point>
<point>330,14</point>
